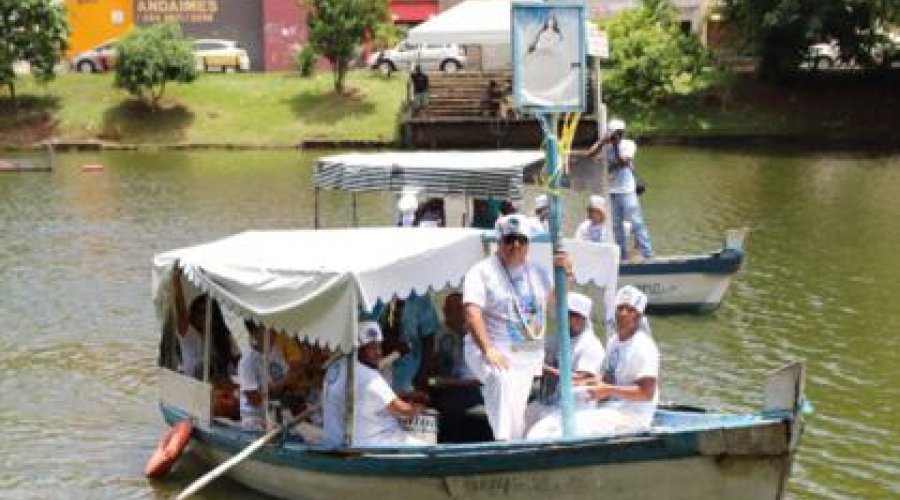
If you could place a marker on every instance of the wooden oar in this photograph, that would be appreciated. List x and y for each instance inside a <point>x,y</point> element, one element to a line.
<point>246,452</point>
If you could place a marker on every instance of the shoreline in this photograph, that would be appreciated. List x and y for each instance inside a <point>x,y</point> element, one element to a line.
<point>828,142</point>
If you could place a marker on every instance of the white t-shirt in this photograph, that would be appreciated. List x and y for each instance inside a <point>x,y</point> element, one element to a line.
<point>628,361</point>
<point>495,290</point>
<point>621,176</point>
<point>587,353</point>
<point>250,376</point>
<point>374,424</point>
<point>191,345</point>
<point>588,231</point>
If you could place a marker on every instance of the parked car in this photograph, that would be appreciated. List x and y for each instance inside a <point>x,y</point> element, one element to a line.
<point>448,57</point>
<point>221,55</point>
<point>824,54</point>
<point>828,54</point>
<point>96,59</point>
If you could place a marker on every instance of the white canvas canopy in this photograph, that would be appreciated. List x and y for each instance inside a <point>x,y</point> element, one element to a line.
<point>472,173</point>
<point>469,22</point>
<point>312,283</point>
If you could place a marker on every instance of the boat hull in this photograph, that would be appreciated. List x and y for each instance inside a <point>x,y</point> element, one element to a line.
<point>683,284</point>
<point>748,461</point>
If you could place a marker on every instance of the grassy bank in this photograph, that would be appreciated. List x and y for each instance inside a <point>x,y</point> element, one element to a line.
<point>255,108</point>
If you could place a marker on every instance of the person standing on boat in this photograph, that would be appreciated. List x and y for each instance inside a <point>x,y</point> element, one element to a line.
<point>630,383</point>
<point>619,154</point>
<point>595,227</point>
<point>377,408</point>
<point>506,297</point>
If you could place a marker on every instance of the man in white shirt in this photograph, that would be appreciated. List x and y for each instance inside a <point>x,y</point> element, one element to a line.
<point>631,368</point>
<point>251,371</point>
<point>596,227</point>
<point>505,297</point>
<point>377,409</point>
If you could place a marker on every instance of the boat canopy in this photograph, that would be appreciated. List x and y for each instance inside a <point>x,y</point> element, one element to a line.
<point>473,173</point>
<point>314,283</point>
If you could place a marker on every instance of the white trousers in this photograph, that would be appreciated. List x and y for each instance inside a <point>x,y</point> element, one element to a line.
<point>505,392</point>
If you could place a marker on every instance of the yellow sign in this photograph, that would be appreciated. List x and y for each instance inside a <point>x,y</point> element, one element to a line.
<point>182,11</point>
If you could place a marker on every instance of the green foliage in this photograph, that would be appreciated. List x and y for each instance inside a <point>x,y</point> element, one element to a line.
<point>780,31</point>
<point>305,60</point>
<point>387,35</point>
<point>336,27</point>
<point>34,31</point>
<point>651,59</point>
<point>150,57</point>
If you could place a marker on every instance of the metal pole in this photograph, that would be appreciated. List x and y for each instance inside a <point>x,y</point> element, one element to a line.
<point>265,380</point>
<point>316,202</point>
<point>350,399</point>
<point>207,338</point>
<point>355,222</point>
<point>560,285</point>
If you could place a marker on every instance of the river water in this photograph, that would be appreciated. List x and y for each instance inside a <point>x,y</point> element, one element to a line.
<point>78,341</point>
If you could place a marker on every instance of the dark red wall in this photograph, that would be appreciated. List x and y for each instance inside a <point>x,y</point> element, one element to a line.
<point>284,28</point>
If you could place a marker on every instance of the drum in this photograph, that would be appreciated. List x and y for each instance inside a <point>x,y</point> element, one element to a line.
<point>423,426</point>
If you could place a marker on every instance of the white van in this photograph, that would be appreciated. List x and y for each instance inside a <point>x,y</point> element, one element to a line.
<point>448,57</point>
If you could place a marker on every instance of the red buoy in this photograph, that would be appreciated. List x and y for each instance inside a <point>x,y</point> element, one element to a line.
<point>92,167</point>
<point>170,448</point>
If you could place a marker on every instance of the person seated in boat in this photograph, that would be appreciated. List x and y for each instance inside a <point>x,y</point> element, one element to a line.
<point>585,352</point>
<point>190,327</point>
<point>505,297</point>
<point>378,410</point>
<point>485,212</point>
<point>542,210</point>
<point>628,390</point>
<point>283,372</point>
<point>595,228</point>
<point>453,389</point>
<point>431,213</point>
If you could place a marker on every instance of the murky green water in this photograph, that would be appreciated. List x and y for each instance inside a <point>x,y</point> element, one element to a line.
<point>78,342</point>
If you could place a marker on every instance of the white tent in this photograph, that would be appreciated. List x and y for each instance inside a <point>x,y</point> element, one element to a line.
<point>469,22</point>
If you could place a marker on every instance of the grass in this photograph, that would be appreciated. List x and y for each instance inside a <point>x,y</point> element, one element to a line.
<point>252,108</point>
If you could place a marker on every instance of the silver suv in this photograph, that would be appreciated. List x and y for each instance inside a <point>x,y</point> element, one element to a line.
<point>448,57</point>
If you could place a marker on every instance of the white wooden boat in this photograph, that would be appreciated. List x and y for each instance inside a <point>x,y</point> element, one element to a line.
<point>312,283</point>
<point>677,283</point>
<point>687,283</point>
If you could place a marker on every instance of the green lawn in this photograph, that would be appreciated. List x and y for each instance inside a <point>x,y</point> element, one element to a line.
<point>252,108</point>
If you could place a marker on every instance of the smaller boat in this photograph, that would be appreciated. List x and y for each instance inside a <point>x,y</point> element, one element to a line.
<point>687,283</point>
<point>677,283</point>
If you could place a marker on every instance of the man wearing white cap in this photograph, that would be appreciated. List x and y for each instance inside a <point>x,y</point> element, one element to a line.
<point>505,297</point>
<point>595,227</point>
<point>631,368</point>
<point>377,409</point>
<point>619,156</point>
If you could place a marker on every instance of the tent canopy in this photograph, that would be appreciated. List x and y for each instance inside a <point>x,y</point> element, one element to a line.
<point>313,283</point>
<point>469,22</point>
<point>473,173</point>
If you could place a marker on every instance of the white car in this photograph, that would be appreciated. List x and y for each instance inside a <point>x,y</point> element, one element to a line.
<point>222,55</point>
<point>448,57</point>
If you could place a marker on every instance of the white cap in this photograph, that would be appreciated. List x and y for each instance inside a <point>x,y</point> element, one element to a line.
<point>580,304</point>
<point>597,202</point>
<point>517,224</point>
<point>616,124</point>
<point>368,332</point>
<point>408,202</point>
<point>627,149</point>
<point>631,296</point>
<point>541,202</point>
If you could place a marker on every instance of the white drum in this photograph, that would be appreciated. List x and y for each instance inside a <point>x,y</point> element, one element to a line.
<point>423,426</point>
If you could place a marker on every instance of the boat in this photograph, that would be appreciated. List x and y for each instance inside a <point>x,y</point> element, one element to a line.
<point>687,283</point>
<point>313,283</point>
<point>694,283</point>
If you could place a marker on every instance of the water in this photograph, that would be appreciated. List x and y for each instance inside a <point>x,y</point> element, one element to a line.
<point>78,343</point>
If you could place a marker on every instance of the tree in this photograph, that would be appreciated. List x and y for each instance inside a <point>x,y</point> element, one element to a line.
<point>148,58</point>
<point>780,31</point>
<point>34,31</point>
<point>336,27</point>
<point>651,59</point>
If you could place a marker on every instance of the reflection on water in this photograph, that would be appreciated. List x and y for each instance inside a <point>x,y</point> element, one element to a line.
<point>78,343</point>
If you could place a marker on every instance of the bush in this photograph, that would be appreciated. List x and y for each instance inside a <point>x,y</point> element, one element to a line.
<point>148,58</point>
<point>651,59</point>
<point>305,60</point>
